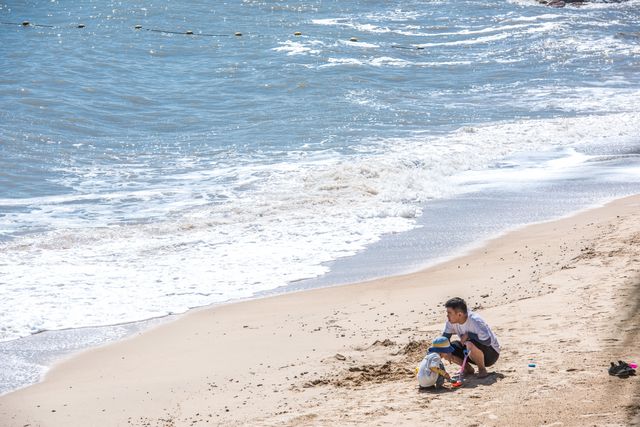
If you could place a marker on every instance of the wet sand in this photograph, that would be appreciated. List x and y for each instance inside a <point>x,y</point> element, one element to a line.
<point>564,295</point>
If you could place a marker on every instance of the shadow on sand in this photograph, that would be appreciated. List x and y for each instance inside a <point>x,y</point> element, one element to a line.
<point>470,382</point>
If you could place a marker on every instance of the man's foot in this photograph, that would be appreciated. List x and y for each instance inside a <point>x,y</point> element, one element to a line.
<point>482,373</point>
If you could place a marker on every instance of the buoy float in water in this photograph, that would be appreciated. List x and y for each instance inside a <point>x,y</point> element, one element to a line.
<point>297,33</point>
<point>353,39</point>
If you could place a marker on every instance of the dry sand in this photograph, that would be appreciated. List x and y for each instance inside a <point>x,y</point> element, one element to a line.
<point>564,295</point>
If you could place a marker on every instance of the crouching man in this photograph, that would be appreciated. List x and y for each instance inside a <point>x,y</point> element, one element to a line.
<point>474,335</point>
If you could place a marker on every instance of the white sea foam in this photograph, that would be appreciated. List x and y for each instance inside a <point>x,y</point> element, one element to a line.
<point>526,28</point>
<point>386,61</point>
<point>467,42</point>
<point>582,99</point>
<point>528,169</point>
<point>342,61</point>
<point>353,24</point>
<point>463,31</point>
<point>396,15</point>
<point>279,223</point>
<point>299,48</point>
<point>359,44</point>
<point>366,98</point>
<point>537,17</point>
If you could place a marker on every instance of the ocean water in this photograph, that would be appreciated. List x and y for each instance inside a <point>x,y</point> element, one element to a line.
<point>147,171</point>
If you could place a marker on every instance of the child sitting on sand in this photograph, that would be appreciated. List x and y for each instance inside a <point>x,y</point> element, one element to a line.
<point>431,371</point>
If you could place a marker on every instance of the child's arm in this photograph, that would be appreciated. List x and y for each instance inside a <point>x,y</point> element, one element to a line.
<point>440,372</point>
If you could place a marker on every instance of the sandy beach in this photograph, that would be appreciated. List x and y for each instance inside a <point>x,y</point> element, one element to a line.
<point>564,295</point>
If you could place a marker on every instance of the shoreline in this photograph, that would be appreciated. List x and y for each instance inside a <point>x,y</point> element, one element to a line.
<point>241,362</point>
<point>46,353</point>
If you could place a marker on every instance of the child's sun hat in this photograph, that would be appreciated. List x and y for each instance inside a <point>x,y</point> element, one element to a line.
<point>441,345</point>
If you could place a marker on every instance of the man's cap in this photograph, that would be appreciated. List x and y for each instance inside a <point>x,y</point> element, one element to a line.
<point>441,345</point>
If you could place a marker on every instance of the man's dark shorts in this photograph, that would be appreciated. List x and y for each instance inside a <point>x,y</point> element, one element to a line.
<point>490,355</point>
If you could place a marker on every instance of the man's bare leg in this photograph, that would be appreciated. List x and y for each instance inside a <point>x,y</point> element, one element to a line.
<point>477,356</point>
<point>468,369</point>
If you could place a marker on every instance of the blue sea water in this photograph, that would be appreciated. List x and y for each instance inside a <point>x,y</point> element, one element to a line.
<point>145,171</point>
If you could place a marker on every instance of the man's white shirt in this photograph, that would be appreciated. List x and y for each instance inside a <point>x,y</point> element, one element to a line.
<point>475,325</point>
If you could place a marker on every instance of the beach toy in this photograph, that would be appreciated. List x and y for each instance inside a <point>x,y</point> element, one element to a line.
<point>633,365</point>
<point>458,379</point>
<point>531,365</point>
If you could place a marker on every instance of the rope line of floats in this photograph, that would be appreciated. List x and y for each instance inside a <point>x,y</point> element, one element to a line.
<point>186,33</point>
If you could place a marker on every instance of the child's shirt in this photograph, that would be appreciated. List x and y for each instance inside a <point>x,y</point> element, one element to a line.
<point>426,377</point>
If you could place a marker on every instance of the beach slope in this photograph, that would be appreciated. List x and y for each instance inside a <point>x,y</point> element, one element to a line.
<point>563,295</point>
